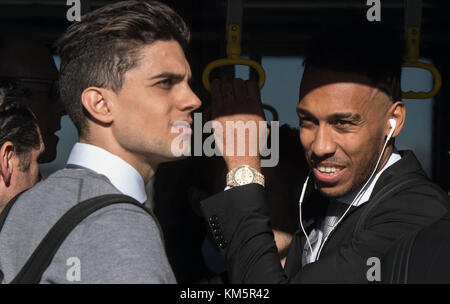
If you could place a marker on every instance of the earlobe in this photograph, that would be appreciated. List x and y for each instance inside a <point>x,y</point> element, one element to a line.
<point>6,162</point>
<point>398,115</point>
<point>95,102</point>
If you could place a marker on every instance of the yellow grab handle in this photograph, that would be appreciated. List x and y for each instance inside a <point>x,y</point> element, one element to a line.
<point>436,76</point>
<point>234,41</point>
<point>229,61</point>
<point>412,43</point>
<point>233,58</point>
<point>412,56</point>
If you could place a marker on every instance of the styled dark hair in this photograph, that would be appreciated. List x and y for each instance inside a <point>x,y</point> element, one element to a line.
<point>370,50</point>
<point>105,44</point>
<point>18,125</point>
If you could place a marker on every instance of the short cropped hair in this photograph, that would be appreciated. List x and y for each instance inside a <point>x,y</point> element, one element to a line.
<point>369,50</point>
<point>18,125</point>
<point>105,44</point>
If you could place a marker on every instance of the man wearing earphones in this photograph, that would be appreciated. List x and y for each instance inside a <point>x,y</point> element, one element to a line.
<point>361,196</point>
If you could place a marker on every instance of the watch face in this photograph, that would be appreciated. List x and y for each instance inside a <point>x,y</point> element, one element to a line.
<point>243,176</point>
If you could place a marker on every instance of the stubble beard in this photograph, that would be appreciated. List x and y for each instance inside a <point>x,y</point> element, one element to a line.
<point>364,174</point>
<point>361,176</point>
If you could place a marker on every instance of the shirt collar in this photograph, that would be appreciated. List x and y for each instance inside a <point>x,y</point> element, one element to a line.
<point>348,199</point>
<point>121,174</point>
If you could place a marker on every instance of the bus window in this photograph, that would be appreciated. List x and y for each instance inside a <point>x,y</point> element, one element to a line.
<point>280,91</point>
<point>417,133</point>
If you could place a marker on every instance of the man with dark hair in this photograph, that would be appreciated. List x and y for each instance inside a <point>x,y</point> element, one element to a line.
<point>28,64</point>
<point>124,82</point>
<point>362,194</point>
<point>20,146</point>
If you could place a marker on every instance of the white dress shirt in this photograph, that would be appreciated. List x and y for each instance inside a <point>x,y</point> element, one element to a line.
<point>121,174</point>
<point>317,236</point>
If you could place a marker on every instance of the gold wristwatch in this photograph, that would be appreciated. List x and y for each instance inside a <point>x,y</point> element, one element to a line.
<point>244,175</point>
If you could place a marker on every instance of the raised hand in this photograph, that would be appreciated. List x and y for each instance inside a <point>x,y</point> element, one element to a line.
<point>239,121</point>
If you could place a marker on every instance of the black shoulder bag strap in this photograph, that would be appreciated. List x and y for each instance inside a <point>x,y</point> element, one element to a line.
<point>42,256</point>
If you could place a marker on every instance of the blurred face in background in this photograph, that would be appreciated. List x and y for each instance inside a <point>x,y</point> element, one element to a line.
<point>29,63</point>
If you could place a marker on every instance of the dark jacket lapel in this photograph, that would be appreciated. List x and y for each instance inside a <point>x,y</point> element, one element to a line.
<point>408,164</point>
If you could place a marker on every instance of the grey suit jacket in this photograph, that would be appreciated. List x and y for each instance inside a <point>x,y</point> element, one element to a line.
<point>117,244</point>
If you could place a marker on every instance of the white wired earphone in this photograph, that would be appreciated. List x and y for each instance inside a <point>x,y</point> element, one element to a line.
<point>393,124</point>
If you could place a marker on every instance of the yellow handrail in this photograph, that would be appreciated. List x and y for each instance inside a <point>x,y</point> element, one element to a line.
<point>412,61</point>
<point>233,58</point>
